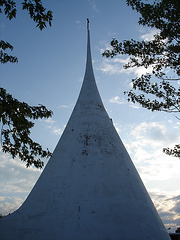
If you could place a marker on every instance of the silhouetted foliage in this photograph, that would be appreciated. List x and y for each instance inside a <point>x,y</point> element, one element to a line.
<point>160,54</point>
<point>173,152</point>
<point>15,129</point>
<point>36,12</point>
<point>16,116</point>
<point>4,57</point>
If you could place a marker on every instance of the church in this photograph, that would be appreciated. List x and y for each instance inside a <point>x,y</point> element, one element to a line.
<point>90,188</point>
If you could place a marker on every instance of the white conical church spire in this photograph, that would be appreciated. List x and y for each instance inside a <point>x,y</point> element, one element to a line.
<point>89,68</point>
<point>89,90</point>
<point>90,189</point>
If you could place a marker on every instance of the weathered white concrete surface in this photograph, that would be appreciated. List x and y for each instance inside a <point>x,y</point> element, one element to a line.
<point>90,189</point>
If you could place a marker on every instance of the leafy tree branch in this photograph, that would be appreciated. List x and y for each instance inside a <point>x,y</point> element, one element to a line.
<point>173,152</point>
<point>16,117</point>
<point>36,12</point>
<point>4,57</point>
<point>16,127</point>
<point>159,54</point>
<point>35,9</point>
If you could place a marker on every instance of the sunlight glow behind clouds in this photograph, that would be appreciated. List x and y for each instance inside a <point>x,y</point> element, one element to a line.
<point>168,207</point>
<point>115,66</point>
<point>154,133</point>
<point>145,145</point>
<point>157,170</point>
<point>16,181</point>
<point>149,34</point>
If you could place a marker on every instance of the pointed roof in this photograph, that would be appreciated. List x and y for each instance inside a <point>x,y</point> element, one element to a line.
<point>90,188</point>
<point>89,90</point>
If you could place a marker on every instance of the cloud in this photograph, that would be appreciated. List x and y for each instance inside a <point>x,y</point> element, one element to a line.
<point>115,66</point>
<point>117,100</point>
<point>78,23</point>
<point>133,105</point>
<point>112,34</point>
<point>9,204</point>
<point>145,143</point>
<point>121,60</point>
<point>158,171</point>
<point>105,46</point>
<point>112,66</point>
<point>16,182</point>
<point>154,133</point>
<point>118,128</point>
<point>149,34</point>
<point>168,207</point>
<point>50,124</point>
<point>58,131</point>
<point>14,175</point>
<point>48,121</point>
<point>138,71</point>
<point>64,106</point>
<point>93,5</point>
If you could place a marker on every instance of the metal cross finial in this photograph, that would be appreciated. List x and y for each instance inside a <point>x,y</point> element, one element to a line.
<point>88,23</point>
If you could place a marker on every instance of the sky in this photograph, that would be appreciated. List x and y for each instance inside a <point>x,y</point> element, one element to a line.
<point>50,72</point>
